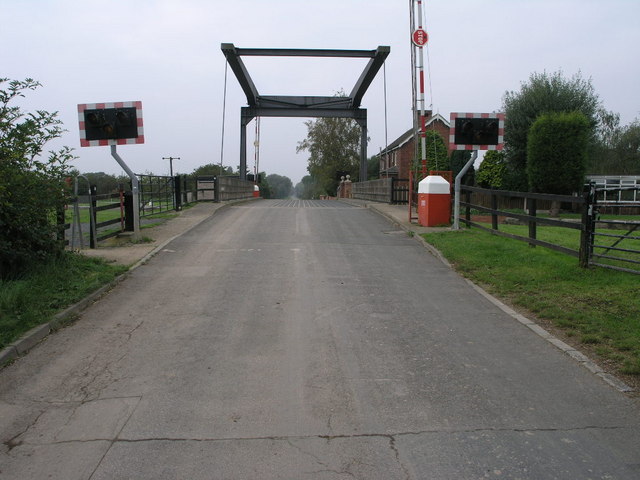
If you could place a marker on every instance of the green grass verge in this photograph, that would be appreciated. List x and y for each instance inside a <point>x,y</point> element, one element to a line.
<point>38,295</point>
<point>598,307</point>
<point>570,238</point>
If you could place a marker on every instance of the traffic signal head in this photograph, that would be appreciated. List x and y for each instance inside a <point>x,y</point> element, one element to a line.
<point>474,131</point>
<point>110,123</point>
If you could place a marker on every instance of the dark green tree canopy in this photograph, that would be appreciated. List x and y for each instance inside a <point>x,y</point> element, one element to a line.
<point>280,186</point>
<point>212,169</point>
<point>617,151</point>
<point>308,188</point>
<point>334,146</point>
<point>542,93</point>
<point>557,151</point>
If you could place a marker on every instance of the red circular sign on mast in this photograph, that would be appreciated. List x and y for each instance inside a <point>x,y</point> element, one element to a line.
<point>420,37</point>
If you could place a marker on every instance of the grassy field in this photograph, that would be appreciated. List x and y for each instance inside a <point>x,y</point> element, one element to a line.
<point>34,298</point>
<point>596,308</point>
<point>570,238</point>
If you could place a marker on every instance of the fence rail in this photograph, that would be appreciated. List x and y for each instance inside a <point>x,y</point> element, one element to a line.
<point>618,251</point>
<point>384,190</point>
<point>94,218</point>
<point>531,218</point>
<point>592,248</point>
<point>98,214</point>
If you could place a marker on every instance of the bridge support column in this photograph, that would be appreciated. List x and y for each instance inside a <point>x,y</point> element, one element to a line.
<point>245,119</point>
<point>363,149</point>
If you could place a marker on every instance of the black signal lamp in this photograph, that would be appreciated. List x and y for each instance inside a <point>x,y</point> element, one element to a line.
<point>476,131</point>
<point>110,123</point>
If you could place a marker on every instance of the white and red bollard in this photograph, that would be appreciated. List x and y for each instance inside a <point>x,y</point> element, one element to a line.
<point>434,202</point>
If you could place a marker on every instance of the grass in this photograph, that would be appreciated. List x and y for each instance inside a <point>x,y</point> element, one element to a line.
<point>38,295</point>
<point>597,307</point>
<point>112,213</point>
<point>35,297</point>
<point>570,238</point>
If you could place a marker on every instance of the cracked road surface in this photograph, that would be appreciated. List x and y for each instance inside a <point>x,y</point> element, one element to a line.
<point>293,340</point>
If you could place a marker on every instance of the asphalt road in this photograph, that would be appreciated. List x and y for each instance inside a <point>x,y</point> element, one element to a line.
<point>293,340</point>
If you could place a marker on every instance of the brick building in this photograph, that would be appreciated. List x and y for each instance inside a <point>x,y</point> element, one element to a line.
<point>395,159</point>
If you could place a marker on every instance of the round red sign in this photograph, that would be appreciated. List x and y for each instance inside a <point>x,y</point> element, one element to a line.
<point>420,37</point>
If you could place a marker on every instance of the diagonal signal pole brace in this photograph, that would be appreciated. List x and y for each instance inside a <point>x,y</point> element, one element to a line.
<point>135,189</point>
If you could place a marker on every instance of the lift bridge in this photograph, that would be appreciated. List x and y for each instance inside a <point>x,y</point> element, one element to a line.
<point>304,106</point>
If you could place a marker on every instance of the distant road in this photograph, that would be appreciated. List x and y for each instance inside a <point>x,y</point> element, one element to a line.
<point>293,339</point>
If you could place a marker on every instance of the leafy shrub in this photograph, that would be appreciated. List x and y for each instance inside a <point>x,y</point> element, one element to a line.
<point>557,152</point>
<point>32,188</point>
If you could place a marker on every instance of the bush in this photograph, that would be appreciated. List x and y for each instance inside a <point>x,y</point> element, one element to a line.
<point>492,170</point>
<point>542,93</point>
<point>557,152</point>
<point>32,189</point>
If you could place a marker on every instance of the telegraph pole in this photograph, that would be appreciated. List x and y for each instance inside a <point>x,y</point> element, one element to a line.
<point>171,159</point>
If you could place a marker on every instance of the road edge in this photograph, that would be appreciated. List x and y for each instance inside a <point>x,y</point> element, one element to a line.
<point>33,337</point>
<point>576,355</point>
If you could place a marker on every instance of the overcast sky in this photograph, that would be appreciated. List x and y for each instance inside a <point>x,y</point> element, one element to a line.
<point>166,53</point>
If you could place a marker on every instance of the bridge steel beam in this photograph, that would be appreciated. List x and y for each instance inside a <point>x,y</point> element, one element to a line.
<point>304,106</point>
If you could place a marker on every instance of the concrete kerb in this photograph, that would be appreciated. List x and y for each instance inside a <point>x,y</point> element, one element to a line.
<point>530,324</point>
<point>34,336</point>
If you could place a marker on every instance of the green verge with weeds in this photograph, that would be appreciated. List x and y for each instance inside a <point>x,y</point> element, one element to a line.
<point>36,296</point>
<point>598,307</point>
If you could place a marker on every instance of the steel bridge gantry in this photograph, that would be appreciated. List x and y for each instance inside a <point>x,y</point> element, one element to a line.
<point>303,106</point>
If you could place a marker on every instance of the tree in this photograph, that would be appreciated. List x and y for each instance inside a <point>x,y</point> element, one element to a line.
<point>617,151</point>
<point>32,188</point>
<point>281,187</point>
<point>458,160</point>
<point>543,93</point>
<point>627,149</point>
<point>308,188</point>
<point>263,184</point>
<point>105,182</point>
<point>334,146</point>
<point>437,155</point>
<point>492,170</point>
<point>212,169</point>
<point>557,152</point>
<point>373,168</point>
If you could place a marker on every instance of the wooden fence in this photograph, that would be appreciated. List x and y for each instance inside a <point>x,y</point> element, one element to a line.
<point>384,190</point>
<point>612,250</point>
<point>529,218</point>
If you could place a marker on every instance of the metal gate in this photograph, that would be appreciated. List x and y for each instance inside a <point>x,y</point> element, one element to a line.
<point>614,243</point>
<point>157,194</point>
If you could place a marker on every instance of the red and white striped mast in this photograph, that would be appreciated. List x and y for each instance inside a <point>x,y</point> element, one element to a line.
<point>419,39</point>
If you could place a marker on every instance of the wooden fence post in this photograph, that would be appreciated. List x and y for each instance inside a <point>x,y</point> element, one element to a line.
<point>93,220</point>
<point>533,225</point>
<point>467,213</point>
<point>494,215</point>
<point>588,225</point>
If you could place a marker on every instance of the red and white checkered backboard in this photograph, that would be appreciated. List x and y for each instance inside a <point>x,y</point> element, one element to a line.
<point>477,131</point>
<point>109,107</point>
